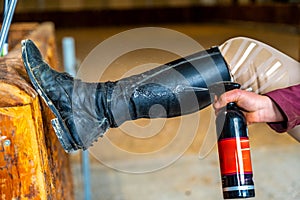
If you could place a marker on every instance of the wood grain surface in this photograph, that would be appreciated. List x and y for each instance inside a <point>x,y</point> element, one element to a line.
<point>33,165</point>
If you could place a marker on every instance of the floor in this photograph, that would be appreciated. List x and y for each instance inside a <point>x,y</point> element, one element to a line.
<point>185,171</point>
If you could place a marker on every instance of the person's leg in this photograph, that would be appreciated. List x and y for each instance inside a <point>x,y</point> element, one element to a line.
<point>84,111</point>
<point>260,67</point>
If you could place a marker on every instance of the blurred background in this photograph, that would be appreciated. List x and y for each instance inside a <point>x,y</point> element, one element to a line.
<point>275,157</point>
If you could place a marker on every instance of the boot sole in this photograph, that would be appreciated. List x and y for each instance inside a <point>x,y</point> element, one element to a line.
<point>60,128</point>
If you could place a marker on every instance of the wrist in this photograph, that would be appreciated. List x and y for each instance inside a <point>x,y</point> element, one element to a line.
<point>276,113</point>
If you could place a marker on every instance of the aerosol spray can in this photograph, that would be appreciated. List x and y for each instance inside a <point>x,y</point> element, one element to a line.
<point>234,148</point>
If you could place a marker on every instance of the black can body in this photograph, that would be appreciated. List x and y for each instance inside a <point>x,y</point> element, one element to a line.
<point>234,153</point>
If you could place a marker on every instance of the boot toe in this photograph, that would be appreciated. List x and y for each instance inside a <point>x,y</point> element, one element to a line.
<point>30,53</point>
<point>55,89</point>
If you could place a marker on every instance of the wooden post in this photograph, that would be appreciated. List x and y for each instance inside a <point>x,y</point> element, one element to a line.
<point>33,165</point>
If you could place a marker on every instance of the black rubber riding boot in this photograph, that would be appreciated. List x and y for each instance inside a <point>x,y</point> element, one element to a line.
<point>84,111</point>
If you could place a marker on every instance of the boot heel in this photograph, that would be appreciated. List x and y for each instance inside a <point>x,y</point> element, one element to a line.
<point>63,136</point>
<point>57,128</point>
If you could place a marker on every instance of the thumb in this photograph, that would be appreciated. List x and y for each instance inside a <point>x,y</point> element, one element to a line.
<point>230,96</point>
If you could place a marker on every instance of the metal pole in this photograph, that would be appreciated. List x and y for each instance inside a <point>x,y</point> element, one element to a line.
<point>7,21</point>
<point>70,67</point>
<point>86,175</point>
<point>5,45</point>
<point>69,55</point>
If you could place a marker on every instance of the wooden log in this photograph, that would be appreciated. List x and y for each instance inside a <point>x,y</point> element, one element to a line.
<point>33,165</point>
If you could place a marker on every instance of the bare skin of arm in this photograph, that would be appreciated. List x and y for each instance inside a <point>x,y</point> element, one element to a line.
<point>257,108</point>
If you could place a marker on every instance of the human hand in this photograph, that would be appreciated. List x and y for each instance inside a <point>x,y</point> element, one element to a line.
<point>257,108</point>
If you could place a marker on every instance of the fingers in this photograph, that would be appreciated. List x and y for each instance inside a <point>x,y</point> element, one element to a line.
<point>224,99</point>
<point>241,97</point>
<point>256,108</point>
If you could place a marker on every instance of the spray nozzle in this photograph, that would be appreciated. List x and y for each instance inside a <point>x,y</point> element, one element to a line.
<point>222,87</point>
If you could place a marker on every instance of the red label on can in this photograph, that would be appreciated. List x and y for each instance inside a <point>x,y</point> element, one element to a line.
<point>234,155</point>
